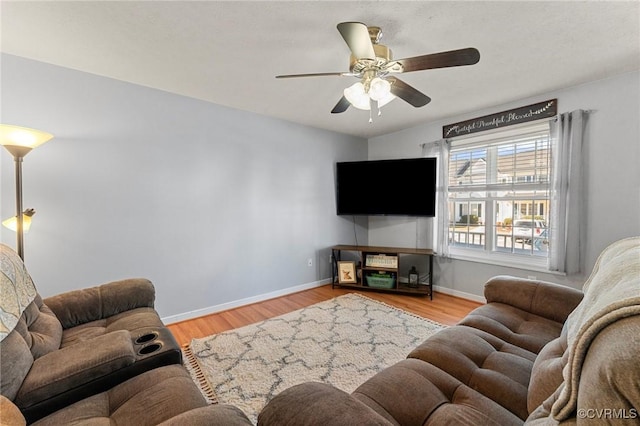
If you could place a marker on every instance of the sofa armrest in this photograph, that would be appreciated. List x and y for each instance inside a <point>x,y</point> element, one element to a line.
<point>217,414</point>
<point>81,306</point>
<point>317,404</point>
<point>608,391</point>
<point>73,366</point>
<point>10,414</point>
<point>548,300</point>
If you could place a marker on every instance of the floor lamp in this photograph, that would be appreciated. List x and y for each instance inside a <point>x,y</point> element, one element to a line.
<point>19,141</point>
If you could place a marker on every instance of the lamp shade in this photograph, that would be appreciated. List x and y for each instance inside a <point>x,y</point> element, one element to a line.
<point>386,99</point>
<point>12,222</point>
<point>356,95</point>
<point>20,140</point>
<point>379,89</point>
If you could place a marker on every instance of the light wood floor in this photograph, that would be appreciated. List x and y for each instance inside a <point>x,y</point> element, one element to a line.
<point>443,308</point>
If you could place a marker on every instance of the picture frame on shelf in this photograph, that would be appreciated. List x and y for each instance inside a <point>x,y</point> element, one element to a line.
<point>347,272</point>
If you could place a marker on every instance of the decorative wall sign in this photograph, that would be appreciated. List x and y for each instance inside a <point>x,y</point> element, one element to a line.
<point>381,261</point>
<point>524,114</point>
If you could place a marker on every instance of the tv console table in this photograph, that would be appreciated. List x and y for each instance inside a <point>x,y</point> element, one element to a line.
<point>377,268</point>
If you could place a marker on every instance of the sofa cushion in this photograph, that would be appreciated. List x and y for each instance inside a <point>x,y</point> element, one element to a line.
<point>485,363</point>
<point>71,367</point>
<point>319,404</point>
<point>37,333</point>
<point>147,399</point>
<point>40,328</point>
<point>413,392</point>
<point>211,415</point>
<point>541,298</point>
<point>514,325</point>
<point>409,393</point>
<point>78,307</point>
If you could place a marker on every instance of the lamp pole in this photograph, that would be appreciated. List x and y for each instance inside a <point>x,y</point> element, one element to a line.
<point>19,214</point>
<point>18,153</point>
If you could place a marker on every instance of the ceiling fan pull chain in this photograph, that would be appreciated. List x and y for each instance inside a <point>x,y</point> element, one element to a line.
<point>370,119</point>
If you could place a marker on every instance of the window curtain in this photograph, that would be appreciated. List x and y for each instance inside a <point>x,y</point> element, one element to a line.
<point>440,150</point>
<point>567,232</point>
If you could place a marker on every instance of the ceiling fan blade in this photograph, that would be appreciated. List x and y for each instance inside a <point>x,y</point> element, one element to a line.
<point>341,106</point>
<point>408,93</point>
<point>451,58</point>
<point>316,74</point>
<point>356,34</point>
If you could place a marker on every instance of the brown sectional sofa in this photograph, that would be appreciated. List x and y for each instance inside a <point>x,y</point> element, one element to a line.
<point>536,353</point>
<point>96,355</point>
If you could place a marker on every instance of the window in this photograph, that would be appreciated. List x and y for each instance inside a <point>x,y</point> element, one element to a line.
<point>499,196</point>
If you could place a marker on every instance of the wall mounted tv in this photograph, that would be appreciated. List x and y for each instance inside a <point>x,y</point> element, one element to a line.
<point>404,187</point>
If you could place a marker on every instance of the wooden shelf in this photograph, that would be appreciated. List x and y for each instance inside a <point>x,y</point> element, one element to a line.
<point>362,270</point>
<point>385,250</point>
<point>373,268</point>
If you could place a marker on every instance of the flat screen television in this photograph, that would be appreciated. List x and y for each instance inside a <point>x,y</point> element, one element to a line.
<point>404,187</point>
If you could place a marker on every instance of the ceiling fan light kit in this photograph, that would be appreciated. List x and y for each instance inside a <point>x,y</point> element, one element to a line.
<point>372,63</point>
<point>379,89</point>
<point>357,96</point>
<point>360,96</point>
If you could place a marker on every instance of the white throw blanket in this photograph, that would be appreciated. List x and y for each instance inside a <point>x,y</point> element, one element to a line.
<point>611,293</point>
<point>16,290</point>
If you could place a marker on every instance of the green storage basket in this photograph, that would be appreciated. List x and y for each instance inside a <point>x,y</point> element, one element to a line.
<point>381,281</point>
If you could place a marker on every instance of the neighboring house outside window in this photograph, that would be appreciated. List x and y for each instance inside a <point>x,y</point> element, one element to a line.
<point>498,196</point>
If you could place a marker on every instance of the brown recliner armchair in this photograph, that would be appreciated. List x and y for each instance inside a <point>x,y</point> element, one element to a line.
<point>98,355</point>
<point>59,350</point>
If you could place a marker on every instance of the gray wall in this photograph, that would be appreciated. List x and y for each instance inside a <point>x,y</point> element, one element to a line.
<point>216,206</point>
<point>221,207</point>
<point>612,154</point>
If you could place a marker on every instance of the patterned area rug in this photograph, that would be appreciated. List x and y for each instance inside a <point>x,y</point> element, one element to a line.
<point>343,341</point>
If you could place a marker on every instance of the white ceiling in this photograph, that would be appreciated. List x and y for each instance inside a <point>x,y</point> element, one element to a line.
<point>229,52</point>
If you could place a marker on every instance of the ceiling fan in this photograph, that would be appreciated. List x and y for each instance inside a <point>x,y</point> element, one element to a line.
<point>373,65</point>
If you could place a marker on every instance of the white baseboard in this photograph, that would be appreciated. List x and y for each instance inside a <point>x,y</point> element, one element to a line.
<point>458,293</point>
<point>241,302</point>
<point>262,297</point>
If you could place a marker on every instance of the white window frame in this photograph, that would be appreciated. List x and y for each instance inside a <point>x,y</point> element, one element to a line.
<point>488,255</point>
